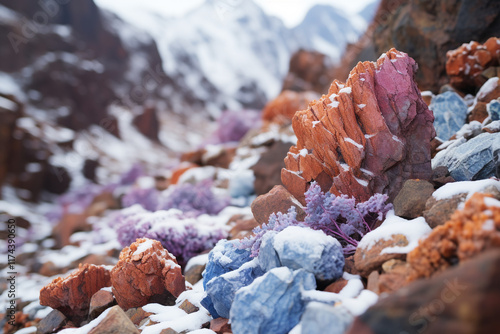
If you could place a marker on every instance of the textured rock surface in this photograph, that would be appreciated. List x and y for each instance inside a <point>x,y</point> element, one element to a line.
<point>466,64</point>
<point>146,273</point>
<point>493,109</point>
<point>410,202</point>
<point>462,300</point>
<point>52,322</point>
<point>370,259</point>
<point>277,200</point>
<point>469,232</point>
<point>450,113</point>
<point>267,169</point>
<point>474,159</point>
<point>438,212</point>
<point>220,326</point>
<point>321,318</point>
<point>428,29</point>
<point>272,303</point>
<point>71,295</point>
<point>302,248</point>
<point>100,301</point>
<point>115,321</point>
<point>368,135</point>
<point>222,289</point>
<point>281,109</point>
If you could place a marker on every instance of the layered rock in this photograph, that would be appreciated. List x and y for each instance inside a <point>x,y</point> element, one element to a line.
<point>466,64</point>
<point>364,137</point>
<point>428,29</point>
<point>469,232</point>
<point>146,273</point>
<point>71,295</point>
<point>450,113</point>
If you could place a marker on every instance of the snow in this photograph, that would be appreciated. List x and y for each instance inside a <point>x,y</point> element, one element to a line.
<point>7,104</point>
<point>346,90</point>
<point>199,260</point>
<point>351,141</point>
<point>334,104</point>
<point>314,123</point>
<point>490,201</point>
<point>143,246</point>
<point>352,288</point>
<point>362,182</point>
<point>297,235</point>
<point>487,88</point>
<point>413,230</point>
<point>464,187</point>
<point>361,106</point>
<point>27,330</point>
<point>358,306</point>
<point>303,152</point>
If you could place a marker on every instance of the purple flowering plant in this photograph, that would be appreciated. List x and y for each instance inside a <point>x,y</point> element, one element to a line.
<point>338,216</point>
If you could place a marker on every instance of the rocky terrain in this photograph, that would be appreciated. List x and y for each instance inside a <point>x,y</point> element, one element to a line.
<point>360,203</point>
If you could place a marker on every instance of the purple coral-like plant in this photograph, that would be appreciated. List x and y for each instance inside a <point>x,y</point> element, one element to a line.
<point>337,216</point>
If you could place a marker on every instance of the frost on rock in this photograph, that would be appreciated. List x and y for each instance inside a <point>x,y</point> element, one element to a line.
<point>450,113</point>
<point>321,318</point>
<point>272,303</point>
<point>303,248</point>
<point>471,160</point>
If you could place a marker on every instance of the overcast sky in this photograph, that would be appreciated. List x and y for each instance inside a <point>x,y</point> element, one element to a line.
<point>290,11</point>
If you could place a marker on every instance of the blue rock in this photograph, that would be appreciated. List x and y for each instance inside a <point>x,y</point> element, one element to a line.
<point>223,258</point>
<point>450,113</point>
<point>221,289</point>
<point>494,110</point>
<point>471,160</point>
<point>303,248</point>
<point>325,319</point>
<point>272,303</point>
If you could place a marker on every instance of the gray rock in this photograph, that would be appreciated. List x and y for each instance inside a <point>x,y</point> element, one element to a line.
<point>410,202</point>
<point>494,110</point>
<point>52,322</point>
<point>325,319</point>
<point>272,303</point>
<point>450,112</point>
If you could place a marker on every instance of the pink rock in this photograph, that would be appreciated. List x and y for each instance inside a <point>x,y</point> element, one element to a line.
<point>366,136</point>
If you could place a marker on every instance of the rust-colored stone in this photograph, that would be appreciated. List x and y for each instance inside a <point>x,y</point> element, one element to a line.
<point>469,232</point>
<point>336,286</point>
<point>115,321</point>
<point>220,326</point>
<point>100,301</point>
<point>146,273</point>
<point>181,169</point>
<point>71,295</point>
<point>277,200</point>
<point>281,109</point>
<point>466,64</point>
<point>368,135</point>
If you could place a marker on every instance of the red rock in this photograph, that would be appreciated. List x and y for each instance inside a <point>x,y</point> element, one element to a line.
<point>267,170</point>
<point>308,71</point>
<point>469,232</point>
<point>366,136</point>
<point>281,109</point>
<point>188,307</point>
<point>242,226</point>
<point>100,301</point>
<point>478,113</point>
<point>372,282</point>
<point>368,260</point>
<point>220,326</point>
<point>181,169</point>
<point>71,295</point>
<point>410,202</point>
<point>277,200</point>
<point>148,123</point>
<point>336,286</point>
<point>146,274</point>
<point>466,64</point>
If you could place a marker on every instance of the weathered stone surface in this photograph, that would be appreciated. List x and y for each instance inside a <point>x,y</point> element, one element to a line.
<point>146,273</point>
<point>281,109</point>
<point>193,274</point>
<point>469,232</point>
<point>461,300</point>
<point>242,226</point>
<point>368,260</point>
<point>368,135</point>
<point>267,170</point>
<point>473,159</point>
<point>277,200</point>
<point>428,29</point>
<point>410,202</point>
<point>450,114</point>
<point>441,176</point>
<point>493,109</point>
<point>466,64</point>
<point>52,322</point>
<point>336,286</point>
<point>478,113</point>
<point>323,318</point>
<point>71,295</point>
<point>100,301</point>
<point>489,91</point>
<point>220,326</point>
<point>308,71</point>
<point>115,321</point>
<point>188,307</point>
<point>137,315</point>
<point>438,212</point>
<point>148,123</point>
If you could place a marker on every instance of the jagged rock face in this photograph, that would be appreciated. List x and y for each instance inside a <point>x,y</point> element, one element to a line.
<point>466,64</point>
<point>366,136</point>
<point>146,273</point>
<point>71,295</point>
<point>426,30</point>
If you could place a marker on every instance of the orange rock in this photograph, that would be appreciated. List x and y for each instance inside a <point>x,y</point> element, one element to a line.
<point>366,136</point>
<point>71,295</point>
<point>469,232</point>
<point>146,273</point>
<point>465,64</point>
<point>181,169</point>
<point>281,109</point>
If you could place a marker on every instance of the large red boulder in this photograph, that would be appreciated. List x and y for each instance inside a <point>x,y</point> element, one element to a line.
<point>366,136</point>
